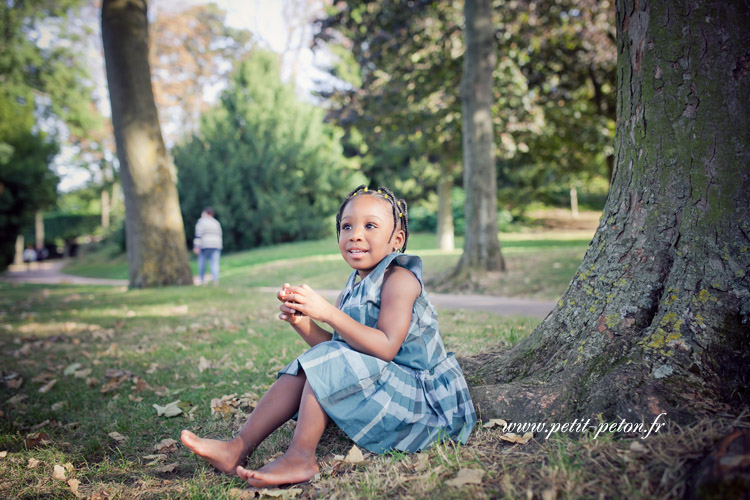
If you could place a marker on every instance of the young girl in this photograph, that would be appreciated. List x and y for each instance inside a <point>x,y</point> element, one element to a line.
<point>382,375</point>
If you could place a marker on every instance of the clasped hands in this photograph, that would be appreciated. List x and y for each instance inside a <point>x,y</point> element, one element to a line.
<point>300,301</point>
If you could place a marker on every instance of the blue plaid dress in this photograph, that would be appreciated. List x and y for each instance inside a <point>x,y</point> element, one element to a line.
<point>406,404</point>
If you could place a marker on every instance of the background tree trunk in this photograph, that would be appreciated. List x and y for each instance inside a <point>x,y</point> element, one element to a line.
<point>657,317</point>
<point>481,246</point>
<point>157,254</point>
<point>445,229</point>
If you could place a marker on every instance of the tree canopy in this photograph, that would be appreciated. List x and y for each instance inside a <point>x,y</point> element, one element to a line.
<point>266,162</point>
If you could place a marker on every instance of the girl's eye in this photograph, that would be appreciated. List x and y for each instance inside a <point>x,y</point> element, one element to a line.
<point>370,225</point>
<point>346,227</point>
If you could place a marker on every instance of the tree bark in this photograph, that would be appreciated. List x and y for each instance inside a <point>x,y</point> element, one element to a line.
<point>481,245</point>
<point>157,254</point>
<point>445,229</point>
<point>657,318</point>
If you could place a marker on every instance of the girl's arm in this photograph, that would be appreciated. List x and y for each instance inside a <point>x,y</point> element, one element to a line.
<point>400,289</point>
<point>305,327</point>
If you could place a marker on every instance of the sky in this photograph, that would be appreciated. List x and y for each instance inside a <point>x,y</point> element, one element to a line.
<point>265,18</point>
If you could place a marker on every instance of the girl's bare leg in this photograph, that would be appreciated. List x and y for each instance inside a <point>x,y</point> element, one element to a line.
<point>298,464</point>
<point>276,406</point>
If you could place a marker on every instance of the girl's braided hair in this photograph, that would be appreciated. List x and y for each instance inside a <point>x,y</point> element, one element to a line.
<point>398,208</point>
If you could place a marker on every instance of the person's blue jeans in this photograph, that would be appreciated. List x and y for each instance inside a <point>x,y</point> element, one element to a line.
<point>212,255</point>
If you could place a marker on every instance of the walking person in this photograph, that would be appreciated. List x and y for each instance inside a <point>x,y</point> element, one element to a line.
<point>207,244</point>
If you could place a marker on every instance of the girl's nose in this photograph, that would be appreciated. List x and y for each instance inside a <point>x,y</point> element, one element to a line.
<point>356,234</point>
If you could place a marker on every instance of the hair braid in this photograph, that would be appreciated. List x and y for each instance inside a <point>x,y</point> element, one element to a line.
<point>398,209</point>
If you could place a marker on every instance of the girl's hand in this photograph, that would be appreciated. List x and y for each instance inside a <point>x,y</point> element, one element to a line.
<point>287,313</point>
<point>308,302</point>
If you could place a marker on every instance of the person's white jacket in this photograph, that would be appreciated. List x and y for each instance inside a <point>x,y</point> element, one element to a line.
<point>207,233</point>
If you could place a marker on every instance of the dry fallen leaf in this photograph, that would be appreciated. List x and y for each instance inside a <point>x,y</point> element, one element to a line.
<point>170,410</point>
<point>33,462</point>
<point>59,473</point>
<point>37,439</point>
<point>637,447</point>
<point>155,459</point>
<point>49,385</point>
<point>466,476</point>
<point>494,422</point>
<point>43,377</point>
<point>14,382</point>
<point>203,364</point>
<point>166,446</point>
<point>57,406</point>
<point>354,456</point>
<point>117,437</point>
<point>82,373</point>
<point>549,494</point>
<point>74,483</point>
<point>71,369</point>
<point>240,494</point>
<point>3,454</point>
<point>167,468</point>
<point>17,399</point>
<point>515,438</point>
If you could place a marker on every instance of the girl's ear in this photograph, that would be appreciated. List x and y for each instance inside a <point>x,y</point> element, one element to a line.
<point>398,239</point>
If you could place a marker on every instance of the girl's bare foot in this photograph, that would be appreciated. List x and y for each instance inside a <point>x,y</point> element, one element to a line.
<point>224,455</point>
<point>287,469</point>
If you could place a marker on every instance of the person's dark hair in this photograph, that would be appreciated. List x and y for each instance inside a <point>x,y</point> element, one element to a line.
<point>209,211</point>
<point>398,208</point>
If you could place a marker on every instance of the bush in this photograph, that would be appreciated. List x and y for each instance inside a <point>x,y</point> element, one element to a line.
<point>269,166</point>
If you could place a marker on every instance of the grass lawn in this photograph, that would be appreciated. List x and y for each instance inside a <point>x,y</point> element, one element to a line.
<point>86,371</point>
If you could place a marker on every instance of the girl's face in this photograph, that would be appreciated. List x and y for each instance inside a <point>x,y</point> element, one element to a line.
<point>366,227</point>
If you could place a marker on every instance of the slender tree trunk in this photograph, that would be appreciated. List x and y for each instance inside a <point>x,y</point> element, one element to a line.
<point>39,229</point>
<point>157,254</point>
<point>481,245</point>
<point>657,318</point>
<point>20,245</point>
<point>445,211</point>
<point>573,200</point>
<point>105,207</point>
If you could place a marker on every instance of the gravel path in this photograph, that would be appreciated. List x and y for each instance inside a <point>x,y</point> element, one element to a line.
<point>50,273</point>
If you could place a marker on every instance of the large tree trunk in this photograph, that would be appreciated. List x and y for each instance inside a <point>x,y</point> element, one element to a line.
<point>157,254</point>
<point>657,318</point>
<point>481,246</point>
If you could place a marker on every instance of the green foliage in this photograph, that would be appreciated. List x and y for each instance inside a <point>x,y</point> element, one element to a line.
<point>41,79</point>
<point>267,163</point>
<point>67,226</point>
<point>423,215</point>
<point>26,182</point>
<point>554,91</point>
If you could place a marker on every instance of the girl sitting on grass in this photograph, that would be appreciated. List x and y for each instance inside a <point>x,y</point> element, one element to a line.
<point>383,375</point>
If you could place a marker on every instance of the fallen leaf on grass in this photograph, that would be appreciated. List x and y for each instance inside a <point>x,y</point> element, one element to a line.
<point>17,399</point>
<point>354,456</point>
<point>170,410</point>
<point>466,476</point>
<point>74,484</point>
<point>43,377</point>
<point>155,459</point>
<point>549,494</point>
<point>3,454</point>
<point>13,381</point>
<point>82,373</point>
<point>167,468</point>
<point>203,364</point>
<point>251,493</point>
<point>71,369</point>
<point>57,406</point>
<point>33,463</point>
<point>37,439</point>
<point>494,422</point>
<point>59,473</point>
<point>118,437</point>
<point>637,447</point>
<point>166,446</point>
<point>515,438</point>
<point>48,386</point>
